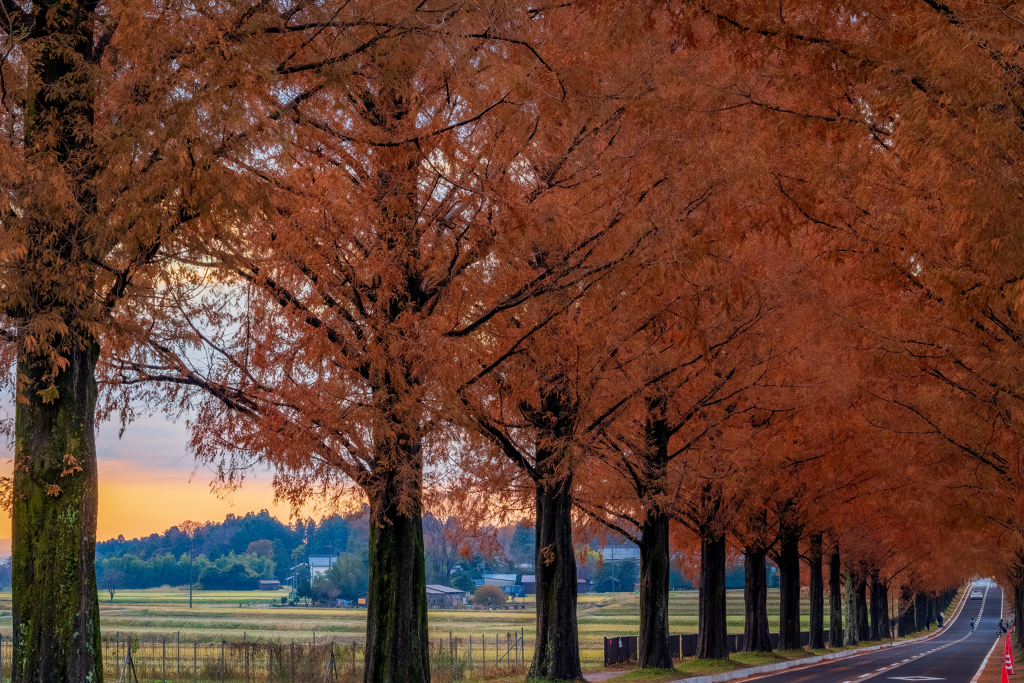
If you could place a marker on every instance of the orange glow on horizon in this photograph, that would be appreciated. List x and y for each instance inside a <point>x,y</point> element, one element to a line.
<point>136,502</point>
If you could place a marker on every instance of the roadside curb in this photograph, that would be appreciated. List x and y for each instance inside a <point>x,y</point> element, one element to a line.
<point>810,661</point>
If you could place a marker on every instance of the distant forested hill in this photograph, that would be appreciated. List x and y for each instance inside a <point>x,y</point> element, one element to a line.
<point>229,554</point>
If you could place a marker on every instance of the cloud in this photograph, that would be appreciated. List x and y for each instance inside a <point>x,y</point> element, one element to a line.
<point>148,482</point>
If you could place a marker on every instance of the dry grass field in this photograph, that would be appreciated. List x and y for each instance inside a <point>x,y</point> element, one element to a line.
<point>217,616</point>
<point>202,644</point>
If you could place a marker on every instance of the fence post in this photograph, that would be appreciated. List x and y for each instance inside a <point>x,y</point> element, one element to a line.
<point>195,668</point>
<point>483,657</point>
<point>178,656</point>
<point>471,655</point>
<point>163,668</point>
<point>246,661</point>
<point>293,661</point>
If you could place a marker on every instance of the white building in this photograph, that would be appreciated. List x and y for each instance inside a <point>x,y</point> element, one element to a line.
<point>620,552</point>
<point>319,564</point>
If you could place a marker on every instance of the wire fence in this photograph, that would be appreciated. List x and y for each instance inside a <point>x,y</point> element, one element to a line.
<point>153,659</point>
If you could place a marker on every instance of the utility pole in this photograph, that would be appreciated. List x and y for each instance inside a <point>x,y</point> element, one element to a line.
<point>189,528</point>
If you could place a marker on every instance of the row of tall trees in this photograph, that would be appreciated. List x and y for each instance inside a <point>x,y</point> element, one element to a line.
<point>742,273</point>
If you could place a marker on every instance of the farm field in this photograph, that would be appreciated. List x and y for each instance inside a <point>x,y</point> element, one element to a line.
<point>217,616</point>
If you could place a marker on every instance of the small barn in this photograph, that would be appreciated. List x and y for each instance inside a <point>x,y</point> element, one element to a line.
<point>269,584</point>
<point>500,580</point>
<point>444,596</point>
<point>530,584</point>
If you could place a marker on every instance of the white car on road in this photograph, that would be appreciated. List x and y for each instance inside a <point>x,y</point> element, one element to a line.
<point>975,594</point>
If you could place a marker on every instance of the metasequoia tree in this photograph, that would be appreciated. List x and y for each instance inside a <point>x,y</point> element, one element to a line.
<point>122,128</point>
<point>417,214</point>
<point>544,387</point>
<point>687,366</point>
<point>936,86</point>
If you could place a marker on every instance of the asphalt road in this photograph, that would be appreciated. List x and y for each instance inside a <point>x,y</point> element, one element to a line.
<point>954,656</point>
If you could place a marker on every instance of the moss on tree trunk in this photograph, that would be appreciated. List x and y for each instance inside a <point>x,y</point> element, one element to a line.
<point>397,641</point>
<point>852,634</point>
<point>557,652</point>
<point>54,599</point>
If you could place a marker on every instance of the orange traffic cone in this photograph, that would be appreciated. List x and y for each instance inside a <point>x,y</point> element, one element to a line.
<point>1008,656</point>
<point>1005,678</point>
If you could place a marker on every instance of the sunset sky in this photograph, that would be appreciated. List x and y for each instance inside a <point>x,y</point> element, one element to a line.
<point>145,483</point>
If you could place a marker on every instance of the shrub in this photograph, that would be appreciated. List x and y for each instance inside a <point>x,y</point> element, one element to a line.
<point>489,596</point>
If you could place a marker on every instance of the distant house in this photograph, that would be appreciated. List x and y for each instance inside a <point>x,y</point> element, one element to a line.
<point>620,552</point>
<point>501,580</point>
<point>609,585</point>
<point>444,596</point>
<point>269,585</point>
<point>529,582</point>
<point>319,564</point>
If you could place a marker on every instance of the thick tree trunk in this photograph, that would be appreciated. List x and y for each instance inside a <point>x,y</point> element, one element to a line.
<point>920,611</point>
<point>907,619</point>
<point>789,589</point>
<point>863,627</point>
<point>711,625</point>
<point>54,599</point>
<point>557,653</point>
<point>397,641</point>
<point>876,609</point>
<point>654,573</point>
<point>654,549</point>
<point>817,590</point>
<point>886,631</point>
<point>755,601</point>
<point>852,633</point>
<point>835,602</point>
